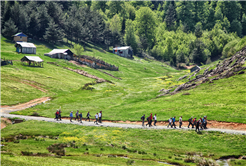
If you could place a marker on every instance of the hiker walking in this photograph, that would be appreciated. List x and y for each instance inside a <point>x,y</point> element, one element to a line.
<point>96,116</point>
<point>201,124</point>
<point>77,115</point>
<point>170,122</point>
<point>155,120</point>
<point>173,119</point>
<point>88,116</point>
<point>100,117</point>
<point>80,117</point>
<point>59,115</point>
<point>71,116</point>
<point>190,122</point>
<point>194,122</point>
<point>180,121</point>
<point>143,118</point>
<point>197,124</point>
<point>149,120</point>
<point>205,122</point>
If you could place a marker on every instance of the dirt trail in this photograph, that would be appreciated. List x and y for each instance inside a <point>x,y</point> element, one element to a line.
<point>5,122</point>
<point>18,107</point>
<point>211,124</point>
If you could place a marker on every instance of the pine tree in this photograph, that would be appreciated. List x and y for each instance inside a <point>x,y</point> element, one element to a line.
<point>53,33</point>
<point>185,14</point>
<point>244,24</point>
<point>2,5</point>
<point>236,26</point>
<point>9,28</point>
<point>44,19</point>
<point>130,38</point>
<point>171,17</point>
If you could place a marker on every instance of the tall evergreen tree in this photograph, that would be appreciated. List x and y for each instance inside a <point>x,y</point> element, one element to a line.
<point>185,14</point>
<point>9,28</point>
<point>145,25</point>
<point>236,26</point>
<point>44,20</point>
<point>171,17</point>
<point>53,33</point>
<point>130,38</point>
<point>2,6</point>
<point>244,24</point>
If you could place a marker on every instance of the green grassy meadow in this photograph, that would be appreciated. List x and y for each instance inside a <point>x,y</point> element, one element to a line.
<point>145,147</point>
<point>125,99</point>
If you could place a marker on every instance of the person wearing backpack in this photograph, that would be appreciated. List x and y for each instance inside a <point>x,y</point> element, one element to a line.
<point>96,116</point>
<point>194,122</point>
<point>77,115</point>
<point>180,121</point>
<point>57,114</point>
<point>149,120</point>
<point>88,116</point>
<point>155,120</point>
<point>190,123</point>
<point>197,124</point>
<point>173,119</point>
<point>170,122</point>
<point>71,116</point>
<point>80,117</point>
<point>143,118</point>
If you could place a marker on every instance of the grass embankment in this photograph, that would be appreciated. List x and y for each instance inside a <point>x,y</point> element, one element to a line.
<point>125,99</point>
<point>94,144</point>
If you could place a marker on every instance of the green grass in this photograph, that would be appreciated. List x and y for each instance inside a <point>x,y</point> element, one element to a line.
<point>125,99</point>
<point>167,145</point>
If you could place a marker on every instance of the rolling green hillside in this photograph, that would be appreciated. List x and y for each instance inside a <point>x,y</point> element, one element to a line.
<point>125,99</point>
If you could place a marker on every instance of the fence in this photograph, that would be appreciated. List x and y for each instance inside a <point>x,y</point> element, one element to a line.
<point>95,63</point>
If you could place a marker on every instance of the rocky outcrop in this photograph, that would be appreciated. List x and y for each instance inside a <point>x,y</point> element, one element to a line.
<point>225,69</point>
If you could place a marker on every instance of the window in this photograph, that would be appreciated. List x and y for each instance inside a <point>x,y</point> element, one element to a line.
<point>21,37</point>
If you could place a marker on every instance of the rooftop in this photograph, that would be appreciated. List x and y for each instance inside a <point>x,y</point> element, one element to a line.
<point>25,44</point>
<point>32,58</point>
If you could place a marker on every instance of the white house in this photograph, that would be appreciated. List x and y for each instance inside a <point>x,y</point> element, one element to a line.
<point>126,51</point>
<point>25,48</point>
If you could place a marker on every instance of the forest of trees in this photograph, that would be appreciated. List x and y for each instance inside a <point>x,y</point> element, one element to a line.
<point>175,31</point>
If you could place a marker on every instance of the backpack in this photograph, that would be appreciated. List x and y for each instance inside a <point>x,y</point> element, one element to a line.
<point>189,120</point>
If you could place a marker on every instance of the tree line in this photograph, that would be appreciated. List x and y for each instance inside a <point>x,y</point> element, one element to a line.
<point>178,32</point>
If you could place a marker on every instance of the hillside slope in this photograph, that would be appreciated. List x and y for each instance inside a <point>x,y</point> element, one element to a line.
<point>125,99</point>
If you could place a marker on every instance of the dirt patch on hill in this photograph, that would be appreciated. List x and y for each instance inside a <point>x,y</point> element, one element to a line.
<point>77,63</point>
<point>5,122</point>
<point>18,107</point>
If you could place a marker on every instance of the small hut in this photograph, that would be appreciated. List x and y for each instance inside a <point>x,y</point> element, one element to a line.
<point>32,61</point>
<point>25,48</point>
<point>194,68</point>
<point>20,37</point>
<point>126,51</point>
<point>61,54</point>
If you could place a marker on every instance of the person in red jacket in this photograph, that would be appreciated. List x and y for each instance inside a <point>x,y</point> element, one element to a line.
<point>149,120</point>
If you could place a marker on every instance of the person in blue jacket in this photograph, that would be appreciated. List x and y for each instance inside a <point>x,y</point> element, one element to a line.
<point>71,116</point>
<point>173,122</point>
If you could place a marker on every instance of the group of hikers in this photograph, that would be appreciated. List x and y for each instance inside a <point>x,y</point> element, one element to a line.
<point>202,122</point>
<point>79,116</point>
<point>198,123</point>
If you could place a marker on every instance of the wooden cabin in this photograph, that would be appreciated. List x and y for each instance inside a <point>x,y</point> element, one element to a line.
<point>20,37</point>
<point>126,51</point>
<point>25,48</point>
<point>61,54</point>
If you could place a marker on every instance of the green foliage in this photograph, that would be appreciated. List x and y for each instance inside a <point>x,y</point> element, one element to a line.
<point>145,25</point>
<point>130,38</point>
<point>78,49</point>
<point>236,26</point>
<point>53,33</point>
<point>9,28</point>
